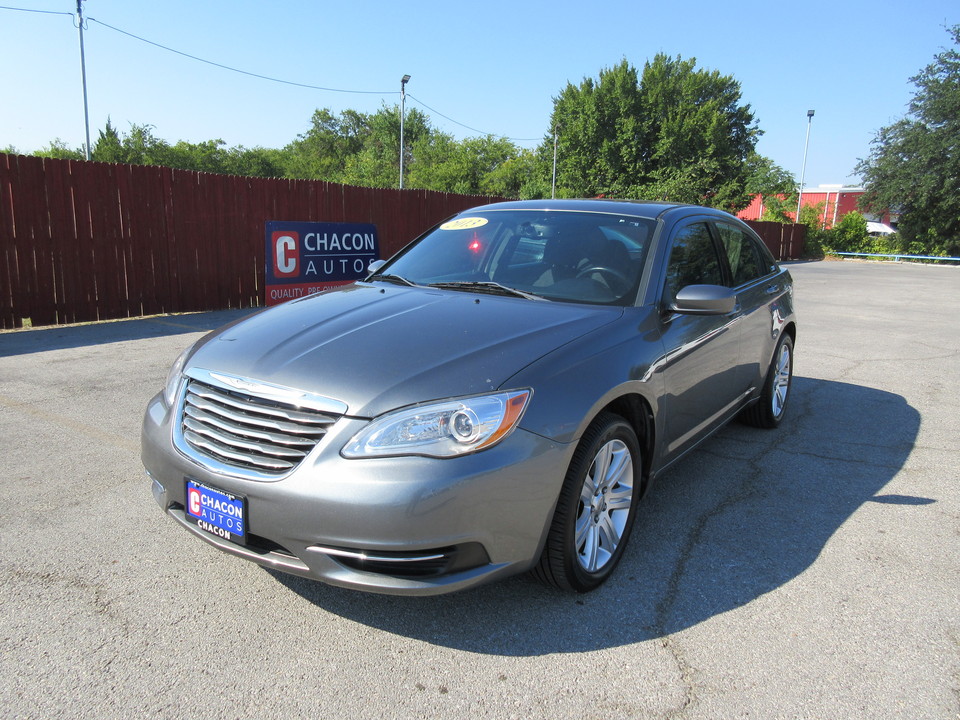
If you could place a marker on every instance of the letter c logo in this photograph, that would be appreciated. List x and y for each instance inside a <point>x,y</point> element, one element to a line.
<point>286,254</point>
<point>193,502</point>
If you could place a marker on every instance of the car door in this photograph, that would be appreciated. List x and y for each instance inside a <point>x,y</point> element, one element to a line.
<point>701,380</point>
<point>753,273</point>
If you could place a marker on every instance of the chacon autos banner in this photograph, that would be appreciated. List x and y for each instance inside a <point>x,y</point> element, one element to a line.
<point>307,257</point>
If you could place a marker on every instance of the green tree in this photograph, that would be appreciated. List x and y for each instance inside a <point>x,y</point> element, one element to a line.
<point>377,164</point>
<point>352,147</point>
<point>524,175</point>
<point>914,164</point>
<point>598,134</point>
<point>673,132</point>
<point>255,162</point>
<point>324,150</point>
<point>141,147</point>
<point>58,149</point>
<point>766,178</point>
<point>442,164</point>
<point>779,208</point>
<point>474,166</point>
<point>207,156</point>
<point>700,133</point>
<point>810,215</point>
<point>109,146</point>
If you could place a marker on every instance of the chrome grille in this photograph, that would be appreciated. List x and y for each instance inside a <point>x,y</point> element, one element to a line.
<point>246,431</point>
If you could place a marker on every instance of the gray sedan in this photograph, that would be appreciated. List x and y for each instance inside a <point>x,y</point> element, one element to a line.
<point>494,399</point>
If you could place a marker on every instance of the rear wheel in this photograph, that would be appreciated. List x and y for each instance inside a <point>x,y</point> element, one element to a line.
<point>768,411</point>
<point>596,509</point>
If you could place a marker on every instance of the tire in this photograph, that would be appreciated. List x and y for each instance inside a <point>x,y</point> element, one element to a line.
<point>596,508</point>
<point>769,410</point>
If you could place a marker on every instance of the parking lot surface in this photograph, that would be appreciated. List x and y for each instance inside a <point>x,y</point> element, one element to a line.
<point>810,572</point>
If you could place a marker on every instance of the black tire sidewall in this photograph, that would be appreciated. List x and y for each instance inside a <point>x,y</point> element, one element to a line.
<point>773,420</point>
<point>607,427</point>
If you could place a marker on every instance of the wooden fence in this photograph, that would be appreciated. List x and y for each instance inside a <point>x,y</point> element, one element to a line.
<point>86,241</point>
<point>784,241</point>
<point>82,241</point>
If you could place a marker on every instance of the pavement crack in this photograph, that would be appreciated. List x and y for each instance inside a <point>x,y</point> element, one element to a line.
<point>686,677</point>
<point>746,488</point>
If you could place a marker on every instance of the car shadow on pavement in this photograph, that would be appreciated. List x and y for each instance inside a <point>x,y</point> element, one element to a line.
<point>63,337</point>
<point>747,512</point>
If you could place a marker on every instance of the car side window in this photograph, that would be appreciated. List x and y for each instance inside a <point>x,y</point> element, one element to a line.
<point>693,260</point>
<point>742,255</point>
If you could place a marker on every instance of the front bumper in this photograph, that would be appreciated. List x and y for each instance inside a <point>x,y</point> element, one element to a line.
<point>407,525</point>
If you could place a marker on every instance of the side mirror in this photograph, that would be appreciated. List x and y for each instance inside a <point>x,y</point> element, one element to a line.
<point>375,265</point>
<point>705,300</point>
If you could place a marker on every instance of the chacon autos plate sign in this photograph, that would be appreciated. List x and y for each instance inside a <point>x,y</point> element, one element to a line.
<point>217,512</point>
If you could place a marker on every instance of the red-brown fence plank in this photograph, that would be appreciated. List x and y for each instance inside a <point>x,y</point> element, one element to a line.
<point>63,235</point>
<point>9,317</point>
<point>784,241</point>
<point>137,251</point>
<point>111,268</point>
<point>35,280</point>
<point>83,279</point>
<point>148,226</point>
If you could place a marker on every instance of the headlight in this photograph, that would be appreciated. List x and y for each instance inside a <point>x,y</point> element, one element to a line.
<point>442,429</point>
<point>173,378</point>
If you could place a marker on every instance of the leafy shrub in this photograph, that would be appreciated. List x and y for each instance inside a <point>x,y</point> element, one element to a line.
<point>850,234</point>
<point>814,244</point>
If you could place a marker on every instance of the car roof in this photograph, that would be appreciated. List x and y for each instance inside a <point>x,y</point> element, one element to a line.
<point>639,208</point>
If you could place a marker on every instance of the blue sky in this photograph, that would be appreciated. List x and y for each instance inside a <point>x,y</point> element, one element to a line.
<point>493,66</point>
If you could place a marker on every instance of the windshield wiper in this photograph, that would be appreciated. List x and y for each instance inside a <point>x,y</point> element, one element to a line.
<point>395,279</point>
<point>486,286</point>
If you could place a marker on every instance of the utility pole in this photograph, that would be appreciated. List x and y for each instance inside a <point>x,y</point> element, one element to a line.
<point>403,98</point>
<point>803,168</point>
<point>83,78</point>
<point>553,187</point>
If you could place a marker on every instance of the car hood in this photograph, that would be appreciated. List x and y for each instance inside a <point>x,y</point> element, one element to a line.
<point>377,348</point>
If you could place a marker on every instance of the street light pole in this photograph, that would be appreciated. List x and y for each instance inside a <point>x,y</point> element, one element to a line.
<point>803,169</point>
<point>83,78</point>
<point>553,186</point>
<point>403,99</point>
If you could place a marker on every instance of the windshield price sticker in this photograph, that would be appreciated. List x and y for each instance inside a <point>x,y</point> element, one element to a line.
<point>464,223</point>
<point>217,512</point>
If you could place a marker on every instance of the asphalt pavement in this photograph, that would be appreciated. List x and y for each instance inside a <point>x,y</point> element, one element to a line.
<point>809,572</point>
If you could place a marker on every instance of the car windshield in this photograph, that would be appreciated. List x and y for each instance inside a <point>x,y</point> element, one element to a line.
<point>557,255</point>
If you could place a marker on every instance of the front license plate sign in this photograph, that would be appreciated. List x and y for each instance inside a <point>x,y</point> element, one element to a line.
<point>217,512</point>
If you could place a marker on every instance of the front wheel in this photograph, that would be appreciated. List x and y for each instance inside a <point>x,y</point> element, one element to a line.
<point>596,509</point>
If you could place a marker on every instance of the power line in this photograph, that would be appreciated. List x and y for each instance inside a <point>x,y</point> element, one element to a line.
<point>237,70</point>
<point>288,82</point>
<point>264,77</point>
<point>455,122</point>
<point>43,12</point>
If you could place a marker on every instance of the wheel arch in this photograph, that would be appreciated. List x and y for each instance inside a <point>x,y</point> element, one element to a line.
<point>635,409</point>
<point>791,329</point>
